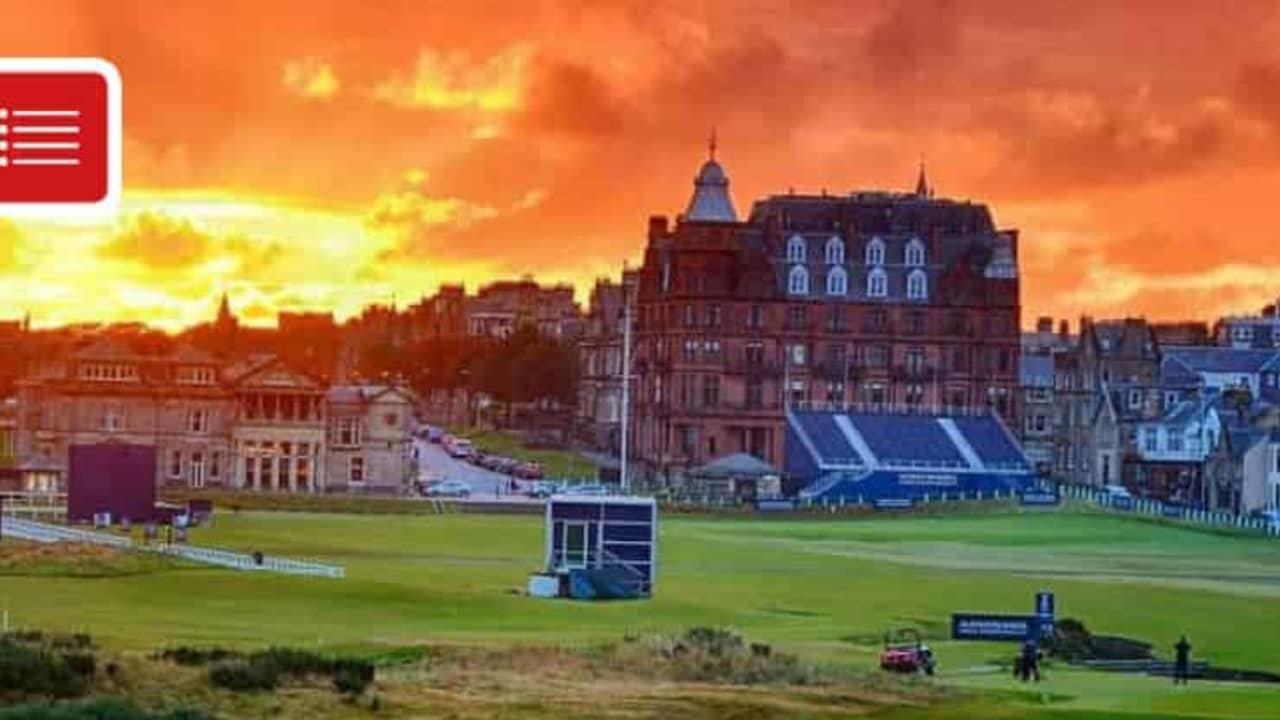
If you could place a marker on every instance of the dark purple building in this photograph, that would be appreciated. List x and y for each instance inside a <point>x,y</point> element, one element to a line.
<point>118,478</point>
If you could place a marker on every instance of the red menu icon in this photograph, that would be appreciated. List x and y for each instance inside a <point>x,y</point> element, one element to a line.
<point>59,134</point>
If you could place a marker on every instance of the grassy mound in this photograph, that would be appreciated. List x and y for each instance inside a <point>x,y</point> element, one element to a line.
<point>77,560</point>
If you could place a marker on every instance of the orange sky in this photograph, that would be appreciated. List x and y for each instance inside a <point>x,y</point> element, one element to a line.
<point>326,156</point>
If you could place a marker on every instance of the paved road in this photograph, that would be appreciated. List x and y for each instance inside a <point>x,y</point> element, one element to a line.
<point>435,464</point>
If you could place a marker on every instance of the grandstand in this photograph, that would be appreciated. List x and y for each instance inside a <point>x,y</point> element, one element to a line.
<point>872,456</point>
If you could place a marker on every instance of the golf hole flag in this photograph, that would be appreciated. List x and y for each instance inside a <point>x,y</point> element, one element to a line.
<point>60,134</point>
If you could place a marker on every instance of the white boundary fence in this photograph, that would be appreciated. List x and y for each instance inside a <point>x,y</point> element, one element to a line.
<point>46,533</point>
<point>1168,511</point>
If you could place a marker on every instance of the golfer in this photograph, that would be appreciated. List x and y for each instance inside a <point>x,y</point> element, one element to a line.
<point>1182,665</point>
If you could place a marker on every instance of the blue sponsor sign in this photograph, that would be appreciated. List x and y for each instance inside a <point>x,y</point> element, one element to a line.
<point>1040,496</point>
<point>894,503</point>
<point>993,628</point>
<point>775,505</point>
<point>1120,502</point>
<point>1172,510</point>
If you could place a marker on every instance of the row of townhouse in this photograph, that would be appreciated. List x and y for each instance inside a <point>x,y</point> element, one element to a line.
<point>257,424</point>
<point>1113,405</point>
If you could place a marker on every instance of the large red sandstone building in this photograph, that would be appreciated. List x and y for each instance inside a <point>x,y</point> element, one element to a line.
<point>871,299</point>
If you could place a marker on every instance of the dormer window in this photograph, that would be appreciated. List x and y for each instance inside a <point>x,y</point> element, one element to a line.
<point>109,372</point>
<point>1135,399</point>
<point>196,375</point>
<point>798,281</point>
<point>795,249</point>
<point>837,282</point>
<point>915,253</point>
<point>875,252</point>
<point>835,251</point>
<point>877,283</point>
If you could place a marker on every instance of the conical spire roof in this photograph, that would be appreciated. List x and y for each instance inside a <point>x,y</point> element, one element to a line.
<point>922,183</point>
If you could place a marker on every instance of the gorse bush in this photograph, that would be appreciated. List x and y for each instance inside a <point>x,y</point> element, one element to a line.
<point>34,666</point>
<point>190,656</point>
<point>352,677</point>
<point>96,709</point>
<point>244,676</point>
<point>264,670</point>
<point>1073,642</point>
<point>293,662</point>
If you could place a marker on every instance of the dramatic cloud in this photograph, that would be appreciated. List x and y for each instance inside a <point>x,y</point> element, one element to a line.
<point>12,246</point>
<point>304,154</point>
<point>311,78</point>
<point>160,242</point>
<point>454,80</point>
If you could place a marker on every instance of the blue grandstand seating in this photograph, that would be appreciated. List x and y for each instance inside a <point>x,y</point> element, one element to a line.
<point>827,438</point>
<point>907,440</point>
<point>917,457</point>
<point>990,441</point>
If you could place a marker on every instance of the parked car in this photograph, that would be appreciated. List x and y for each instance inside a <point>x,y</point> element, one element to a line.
<point>1271,518</point>
<point>504,465</point>
<point>449,488</point>
<point>590,489</point>
<point>541,489</point>
<point>458,448</point>
<point>527,471</point>
<point>489,462</point>
<point>434,434</point>
<point>1117,491</point>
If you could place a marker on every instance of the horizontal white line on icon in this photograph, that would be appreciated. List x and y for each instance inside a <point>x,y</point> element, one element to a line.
<point>43,129</point>
<point>44,161</point>
<point>45,113</point>
<point>31,145</point>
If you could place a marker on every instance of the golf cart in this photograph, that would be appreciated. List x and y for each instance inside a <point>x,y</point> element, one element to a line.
<point>904,653</point>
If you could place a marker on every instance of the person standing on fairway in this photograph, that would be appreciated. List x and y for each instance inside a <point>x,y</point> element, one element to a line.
<point>1030,661</point>
<point>1182,665</point>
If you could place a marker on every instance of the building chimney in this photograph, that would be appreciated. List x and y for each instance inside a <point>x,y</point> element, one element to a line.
<point>657,225</point>
<point>1044,325</point>
<point>1064,329</point>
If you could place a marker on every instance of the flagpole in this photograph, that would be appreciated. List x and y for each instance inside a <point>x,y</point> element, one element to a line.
<point>626,381</point>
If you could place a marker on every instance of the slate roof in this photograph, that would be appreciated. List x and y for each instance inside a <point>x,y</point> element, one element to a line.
<point>1036,371</point>
<point>1240,440</point>
<point>1175,373</point>
<point>355,394</point>
<point>711,201</point>
<point>1224,359</point>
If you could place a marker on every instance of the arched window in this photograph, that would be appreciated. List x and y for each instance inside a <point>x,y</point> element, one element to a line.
<point>877,283</point>
<point>837,282</point>
<point>915,253</point>
<point>917,285</point>
<point>875,252</point>
<point>835,251</point>
<point>798,281</point>
<point>795,249</point>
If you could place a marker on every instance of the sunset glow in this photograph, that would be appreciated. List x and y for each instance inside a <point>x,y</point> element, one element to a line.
<point>326,158</point>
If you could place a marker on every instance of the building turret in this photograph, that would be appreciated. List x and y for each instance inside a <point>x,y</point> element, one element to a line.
<point>711,201</point>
